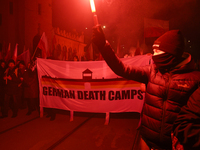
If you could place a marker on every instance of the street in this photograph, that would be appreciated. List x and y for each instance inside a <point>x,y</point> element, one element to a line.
<point>86,132</point>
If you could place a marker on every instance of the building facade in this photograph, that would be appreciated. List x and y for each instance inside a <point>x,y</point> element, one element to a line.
<point>24,21</point>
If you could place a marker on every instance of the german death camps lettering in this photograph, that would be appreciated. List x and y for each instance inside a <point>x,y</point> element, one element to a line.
<point>94,95</point>
<point>125,94</point>
<point>58,92</point>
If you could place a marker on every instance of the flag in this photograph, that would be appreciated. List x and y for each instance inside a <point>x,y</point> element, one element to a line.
<point>25,56</point>
<point>43,45</point>
<point>154,27</point>
<point>24,49</point>
<point>15,53</point>
<point>7,57</point>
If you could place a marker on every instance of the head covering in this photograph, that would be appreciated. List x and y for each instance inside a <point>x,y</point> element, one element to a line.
<point>11,61</point>
<point>22,62</point>
<point>166,61</point>
<point>171,42</point>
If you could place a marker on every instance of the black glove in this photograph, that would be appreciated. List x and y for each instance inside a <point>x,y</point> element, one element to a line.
<point>98,37</point>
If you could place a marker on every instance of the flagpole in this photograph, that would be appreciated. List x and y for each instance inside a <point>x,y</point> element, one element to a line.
<point>34,52</point>
<point>36,47</point>
<point>15,53</point>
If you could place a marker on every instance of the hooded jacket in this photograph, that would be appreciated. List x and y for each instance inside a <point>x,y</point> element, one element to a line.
<point>187,125</point>
<point>165,94</point>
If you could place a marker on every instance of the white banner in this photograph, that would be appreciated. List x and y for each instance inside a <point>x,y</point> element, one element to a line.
<point>88,86</point>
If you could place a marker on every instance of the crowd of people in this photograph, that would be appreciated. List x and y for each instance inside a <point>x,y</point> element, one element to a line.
<point>18,87</point>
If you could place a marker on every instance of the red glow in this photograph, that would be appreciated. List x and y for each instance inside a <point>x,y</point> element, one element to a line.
<point>92,6</point>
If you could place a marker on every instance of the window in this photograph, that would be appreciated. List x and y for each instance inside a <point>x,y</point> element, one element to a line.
<point>39,9</point>
<point>11,7</point>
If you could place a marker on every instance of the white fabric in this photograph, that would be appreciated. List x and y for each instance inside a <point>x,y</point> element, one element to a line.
<point>106,92</point>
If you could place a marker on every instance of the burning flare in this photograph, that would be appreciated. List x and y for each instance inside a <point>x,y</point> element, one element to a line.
<point>94,12</point>
<point>92,6</point>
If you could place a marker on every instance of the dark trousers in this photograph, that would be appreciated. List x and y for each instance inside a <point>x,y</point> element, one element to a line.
<point>10,100</point>
<point>21,100</point>
<point>32,104</point>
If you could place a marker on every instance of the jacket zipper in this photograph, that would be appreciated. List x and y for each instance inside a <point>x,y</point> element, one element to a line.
<point>164,109</point>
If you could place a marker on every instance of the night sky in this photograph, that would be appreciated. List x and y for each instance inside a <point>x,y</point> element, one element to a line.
<point>125,18</point>
<point>72,14</point>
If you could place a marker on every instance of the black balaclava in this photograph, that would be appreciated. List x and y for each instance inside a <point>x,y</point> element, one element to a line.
<point>166,61</point>
<point>172,43</point>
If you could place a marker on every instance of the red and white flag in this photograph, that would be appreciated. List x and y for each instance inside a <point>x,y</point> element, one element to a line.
<point>154,27</point>
<point>43,45</point>
<point>7,57</point>
<point>25,56</point>
<point>15,53</point>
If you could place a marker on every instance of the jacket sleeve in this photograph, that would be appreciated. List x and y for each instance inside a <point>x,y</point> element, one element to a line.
<point>187,124</point>
<point>135,73</point>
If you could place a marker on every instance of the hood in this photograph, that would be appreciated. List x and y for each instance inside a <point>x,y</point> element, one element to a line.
<point>187,64</point>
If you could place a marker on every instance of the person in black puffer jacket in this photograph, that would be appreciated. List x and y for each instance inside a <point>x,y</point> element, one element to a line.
<point>186,134</point>
<point>170,81</point>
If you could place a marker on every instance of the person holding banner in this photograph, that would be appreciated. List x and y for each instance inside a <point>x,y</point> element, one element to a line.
<point>21,71</point>
<point>31,93</point>
<point>170,81</point>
